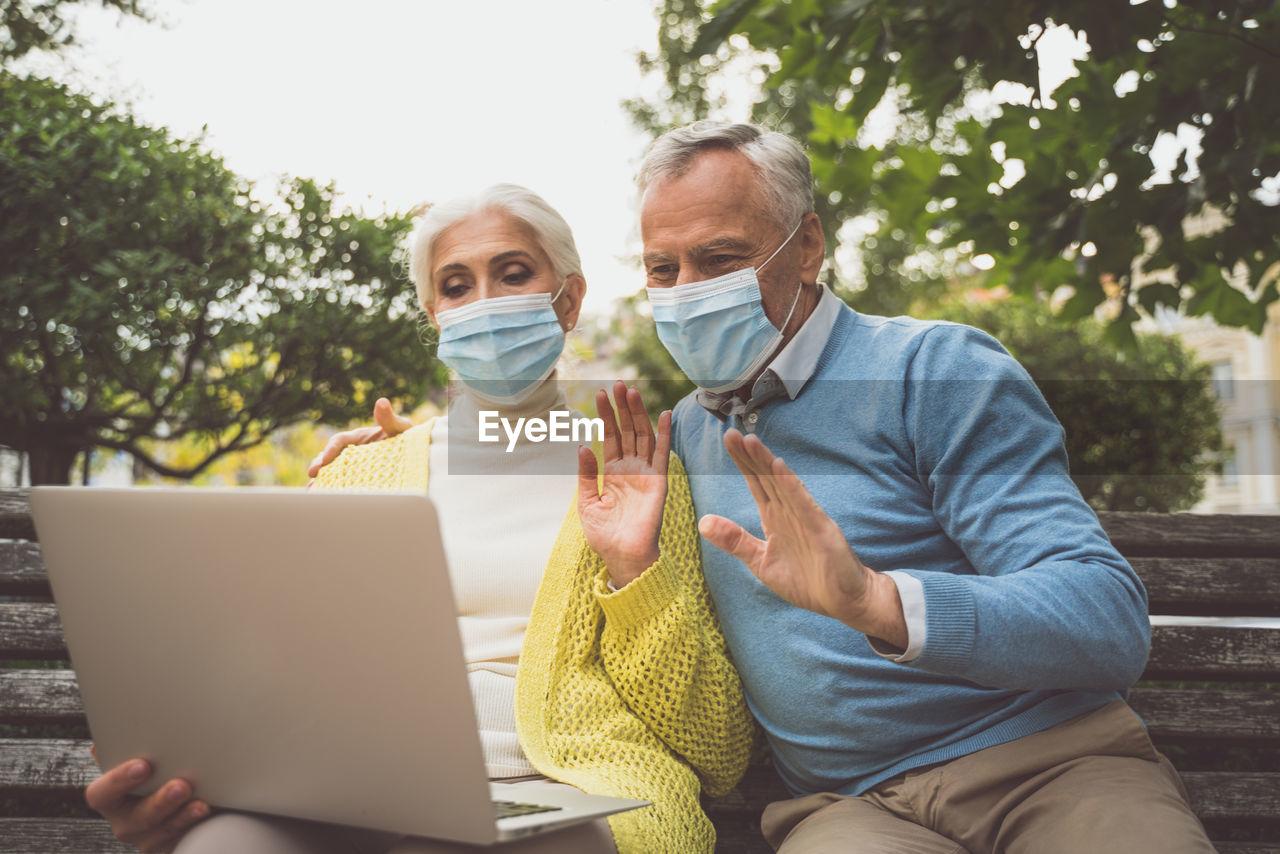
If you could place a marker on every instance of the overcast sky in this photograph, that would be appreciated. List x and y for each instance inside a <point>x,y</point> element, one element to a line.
<point>401,101</point>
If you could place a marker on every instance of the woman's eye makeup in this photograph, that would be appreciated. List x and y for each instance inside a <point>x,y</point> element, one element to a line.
<point>453,286</point>
<point>516,274</point>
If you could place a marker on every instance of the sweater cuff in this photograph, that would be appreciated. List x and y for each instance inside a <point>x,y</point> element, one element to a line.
<point>950,623</point>
<point>651,593</point>
<point>911,593</point>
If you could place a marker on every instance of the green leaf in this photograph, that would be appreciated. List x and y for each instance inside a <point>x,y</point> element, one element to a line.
<point>720,27</point>
<point>1151,296</point>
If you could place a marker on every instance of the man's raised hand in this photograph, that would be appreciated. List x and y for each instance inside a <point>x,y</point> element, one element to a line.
<point>804,557</point>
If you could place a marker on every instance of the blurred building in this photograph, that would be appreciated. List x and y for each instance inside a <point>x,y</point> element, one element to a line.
<point>1246,381</point>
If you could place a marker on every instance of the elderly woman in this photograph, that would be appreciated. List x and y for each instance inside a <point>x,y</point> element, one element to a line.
<point>594,656</point>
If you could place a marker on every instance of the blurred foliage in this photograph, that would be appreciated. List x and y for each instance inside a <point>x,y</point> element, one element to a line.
<point>1141,421</point>
<point>146,294</point>
<point>280,460</point>
<point>945,180</point>
<point>27,25</point>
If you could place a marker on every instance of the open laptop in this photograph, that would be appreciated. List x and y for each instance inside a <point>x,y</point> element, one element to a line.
<point>288,652</point>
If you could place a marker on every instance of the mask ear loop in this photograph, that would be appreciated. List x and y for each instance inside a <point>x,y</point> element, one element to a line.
<point>563,285</point>
<point>780,245</point>
<point>796,300</point>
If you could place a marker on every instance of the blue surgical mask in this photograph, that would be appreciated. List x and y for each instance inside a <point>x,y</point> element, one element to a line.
<point>502,348</point>
<point>717,330</point>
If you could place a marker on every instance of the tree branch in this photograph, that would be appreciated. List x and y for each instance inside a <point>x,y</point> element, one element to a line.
<point>1186,28</point>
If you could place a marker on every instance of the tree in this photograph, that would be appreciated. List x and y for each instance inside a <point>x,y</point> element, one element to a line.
<point>1141,421</point>
<point>1046,190</point>
<point>27,25</point>
<point>145,294</point>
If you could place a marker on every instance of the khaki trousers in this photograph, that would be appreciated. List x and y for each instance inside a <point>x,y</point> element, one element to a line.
<point>1090,785</point>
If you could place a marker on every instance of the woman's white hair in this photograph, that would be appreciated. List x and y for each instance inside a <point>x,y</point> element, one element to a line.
<point>549,229</point>
<point>786,181</point>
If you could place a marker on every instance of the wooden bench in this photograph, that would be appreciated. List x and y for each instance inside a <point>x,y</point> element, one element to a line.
<point>1222,729</point>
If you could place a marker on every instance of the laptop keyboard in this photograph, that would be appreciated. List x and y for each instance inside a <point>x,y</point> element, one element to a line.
<point>507,809</point>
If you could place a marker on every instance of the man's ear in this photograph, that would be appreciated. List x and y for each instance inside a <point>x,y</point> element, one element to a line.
<point>569,305</point>
<point>813,248</point>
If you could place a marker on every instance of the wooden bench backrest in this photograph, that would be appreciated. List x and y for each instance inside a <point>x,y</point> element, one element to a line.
<point>1193,566</point>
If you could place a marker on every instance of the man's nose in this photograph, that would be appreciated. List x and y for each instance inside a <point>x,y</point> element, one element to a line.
<point>689,273</point>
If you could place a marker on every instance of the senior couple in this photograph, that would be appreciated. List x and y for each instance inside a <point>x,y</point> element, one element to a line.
<point>916,606</point>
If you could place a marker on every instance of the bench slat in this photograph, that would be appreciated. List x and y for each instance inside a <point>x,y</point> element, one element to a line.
<point>1211,587</point>
<point>58,836</point>
<point>1213,652</point>
<point>1172,714</point>
<point>28,696</point>
<point>30,630</point>
<point>1233,795</point>
<point>1219,587</point>
<point>22,570</point>
<point>46,765</point>
<point>15,515</point>
<point>1188,534</point>
<point>40,696</point>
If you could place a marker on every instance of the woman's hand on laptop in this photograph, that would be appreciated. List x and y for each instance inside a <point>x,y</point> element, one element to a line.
<point>386,425</point>
<point>153,822</point>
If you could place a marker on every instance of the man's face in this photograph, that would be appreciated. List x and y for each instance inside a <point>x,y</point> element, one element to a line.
<point>711,220</point>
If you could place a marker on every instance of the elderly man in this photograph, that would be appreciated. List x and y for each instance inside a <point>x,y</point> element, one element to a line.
<point>932,629</point>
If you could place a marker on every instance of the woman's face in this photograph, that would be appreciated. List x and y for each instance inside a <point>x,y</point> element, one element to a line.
<point>492,254</point>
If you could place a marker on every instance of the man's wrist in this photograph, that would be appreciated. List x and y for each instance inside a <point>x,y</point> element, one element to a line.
<point>881,614</point>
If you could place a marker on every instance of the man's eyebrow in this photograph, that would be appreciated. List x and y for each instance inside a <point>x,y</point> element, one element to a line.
<point>714,245</point>
<point>720,243</point>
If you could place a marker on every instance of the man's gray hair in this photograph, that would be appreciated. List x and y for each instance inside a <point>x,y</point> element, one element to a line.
<point>786,180</point>
<point>549,229</point>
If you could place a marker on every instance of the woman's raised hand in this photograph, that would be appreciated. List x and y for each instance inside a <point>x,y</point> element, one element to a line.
<point>622,513</point>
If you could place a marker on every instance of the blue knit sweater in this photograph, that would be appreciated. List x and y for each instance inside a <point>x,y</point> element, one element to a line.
<point>936,454</point>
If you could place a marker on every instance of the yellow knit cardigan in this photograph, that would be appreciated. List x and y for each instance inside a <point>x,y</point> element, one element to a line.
<point>628,693</point>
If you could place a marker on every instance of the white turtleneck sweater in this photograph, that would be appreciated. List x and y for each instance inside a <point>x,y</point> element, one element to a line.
<point>500,513</point>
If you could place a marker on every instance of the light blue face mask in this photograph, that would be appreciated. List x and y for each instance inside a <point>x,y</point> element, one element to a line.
<point>717,330</point>
<point>502,348</point>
